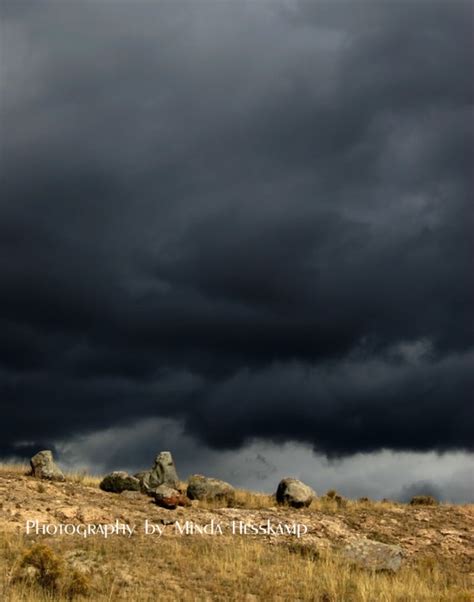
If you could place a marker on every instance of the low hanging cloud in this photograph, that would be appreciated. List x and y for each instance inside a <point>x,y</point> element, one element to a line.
<point>253,220</point>
<point>261,464</point>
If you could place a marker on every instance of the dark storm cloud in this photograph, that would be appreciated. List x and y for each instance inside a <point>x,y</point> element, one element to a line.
<point>253,218</point>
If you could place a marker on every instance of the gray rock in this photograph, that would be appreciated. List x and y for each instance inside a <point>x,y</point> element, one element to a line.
<point>119,481</point>
<point>140,475</point>
<point>144,479</point>
<point>207,488</point>
<point>44,467</point>
<point>294,493</point>
<point>162,473</point>
<point>373,555</point>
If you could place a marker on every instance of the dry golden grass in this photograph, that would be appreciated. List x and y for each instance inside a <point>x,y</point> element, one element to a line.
<point>220,568</point>
<point>79,476</point>
<point>83,477</point>
<point>198,568</point>
<point>15,467</point>
<point>243,499</point>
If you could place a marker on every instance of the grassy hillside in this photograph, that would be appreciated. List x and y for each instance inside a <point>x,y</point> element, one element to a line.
<point>437,543</point>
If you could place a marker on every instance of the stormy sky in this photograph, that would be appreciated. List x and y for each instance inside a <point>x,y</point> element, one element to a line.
<point>241,231</point>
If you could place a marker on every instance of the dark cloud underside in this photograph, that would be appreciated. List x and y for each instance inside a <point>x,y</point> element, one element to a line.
<point>255,218</point>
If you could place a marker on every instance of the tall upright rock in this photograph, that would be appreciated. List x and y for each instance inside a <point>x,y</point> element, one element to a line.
<point>162,473</point>
<point>44,467</point>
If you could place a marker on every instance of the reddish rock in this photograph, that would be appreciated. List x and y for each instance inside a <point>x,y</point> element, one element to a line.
<point>169,498</point>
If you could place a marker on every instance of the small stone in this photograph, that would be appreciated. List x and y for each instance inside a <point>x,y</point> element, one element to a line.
<point>423,500</point>
<point>140,475</point>
<point>169,498</point>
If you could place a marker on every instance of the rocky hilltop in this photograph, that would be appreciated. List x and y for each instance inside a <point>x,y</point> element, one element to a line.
<point>237,546</point>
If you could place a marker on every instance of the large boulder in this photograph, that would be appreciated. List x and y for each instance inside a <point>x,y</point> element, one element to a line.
<point>294,493</point>
<point>119,481</point>
<point>207,488</point>
<point>162,473</point>
<point>44,467</point>
<point>169,498</point>
<point>373,555</point>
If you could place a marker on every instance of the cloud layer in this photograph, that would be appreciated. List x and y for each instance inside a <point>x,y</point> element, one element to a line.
<point>260,465</point>
<point>254,219</point>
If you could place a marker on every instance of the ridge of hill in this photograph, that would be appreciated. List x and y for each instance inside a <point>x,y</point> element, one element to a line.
<point>208,552</point>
